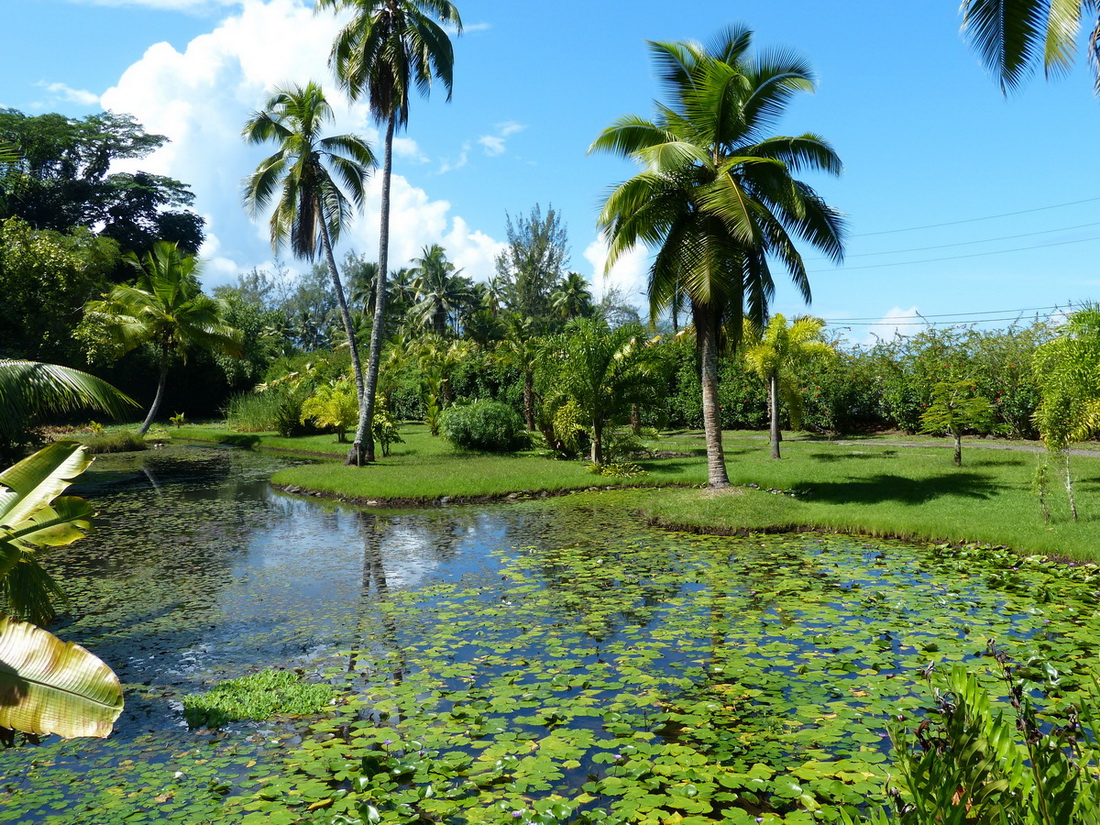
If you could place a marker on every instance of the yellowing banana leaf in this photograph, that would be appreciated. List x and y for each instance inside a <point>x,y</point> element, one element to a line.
<point>51,686</point>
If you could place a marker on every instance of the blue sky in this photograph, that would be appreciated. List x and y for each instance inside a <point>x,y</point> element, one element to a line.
<point>958,199</point>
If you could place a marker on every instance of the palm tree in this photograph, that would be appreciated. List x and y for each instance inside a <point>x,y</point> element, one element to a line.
<point>389,46</point>
<point>716,195</point>
<point>166,309</point>
<point>774,356</point>
<point>311,208</point>
<point>1011,35</point>
<point>572,298</point>
<point>440,293</point>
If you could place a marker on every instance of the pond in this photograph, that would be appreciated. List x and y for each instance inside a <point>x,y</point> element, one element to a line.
<point>548,659</point>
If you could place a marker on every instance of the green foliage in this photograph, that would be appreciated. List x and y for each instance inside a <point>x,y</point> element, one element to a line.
<point>333,406</point>
<point>384,427</point>
<point>970,762</point>
<point>119,441</point>
<point>257,697</point>
<point>531,270</point>
<point>62,180</point>
<point>254,412</point>
<point>484,426</point>
<point>1068,371</point>
<point>956,408</point>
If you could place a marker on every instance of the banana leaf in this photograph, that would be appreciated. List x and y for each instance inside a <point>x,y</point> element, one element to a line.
<point>51,686</point>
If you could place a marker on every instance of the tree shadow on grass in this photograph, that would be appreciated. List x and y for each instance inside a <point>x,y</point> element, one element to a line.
<point>888,487</point>
<point>855,455</point>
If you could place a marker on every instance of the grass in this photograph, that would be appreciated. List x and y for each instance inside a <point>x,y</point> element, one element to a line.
<point>257,697</point>
<point>873,486</point>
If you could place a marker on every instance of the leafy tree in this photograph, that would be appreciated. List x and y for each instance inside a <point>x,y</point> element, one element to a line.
<point>1068,371</point>
<point>441,293</point>
<point>532,265</point>
<point>717,196</point>
<point>48,686</point>
<point>519,350</point>
<point>955,408</point>
<point>164,309</point>
<point>1011,35</point>
<point>776,355</point>
<point>61,179</point>
<point>386,48</point>
<point>311,208</point>
<point>46,277</point>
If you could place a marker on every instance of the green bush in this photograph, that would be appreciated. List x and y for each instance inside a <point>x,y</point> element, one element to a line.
<point>253,412</point>
<point>120,441</point>
<point>486,426</point>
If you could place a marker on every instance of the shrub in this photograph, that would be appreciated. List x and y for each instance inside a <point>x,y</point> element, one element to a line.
<point>253,412</point>
<point>120,441</point>
<point>488,426</point>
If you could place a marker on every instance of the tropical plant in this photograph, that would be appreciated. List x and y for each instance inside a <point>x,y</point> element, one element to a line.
<point>441,293</point>
<point>307,177</point>
<point>333,405</point>
<point>956,408</point>
<point>30,390</point>
<point>775,355</point>
<point>1011,35</point>
<point>519,350</point>
<point>166,309</point>
<point>484,425</point>
<point>46,685</point>
<point>572,299</point>
<point>601,369</point>
<point>530,268</point>
<point>716,195</point>
<point>1068,372</point>
<point>388,47</point>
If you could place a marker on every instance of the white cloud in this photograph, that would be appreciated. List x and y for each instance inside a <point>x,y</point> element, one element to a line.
<point>200,99</point>
<point>630,274</point>
<point>71,95</point>
<point>897,321</point>
<point>446,165</point>
<point>495,144</point>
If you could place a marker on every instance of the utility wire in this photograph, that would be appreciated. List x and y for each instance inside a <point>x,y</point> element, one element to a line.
<point>975,220</point>
<point>921,316</point>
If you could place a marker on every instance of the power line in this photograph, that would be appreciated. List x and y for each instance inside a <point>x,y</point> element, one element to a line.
<point>971,243</point>
<point>975,220</point>
<point>974,255</point>
<point>920,316</point>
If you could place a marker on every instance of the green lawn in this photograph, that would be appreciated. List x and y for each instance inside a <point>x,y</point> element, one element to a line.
<point>874,487</point>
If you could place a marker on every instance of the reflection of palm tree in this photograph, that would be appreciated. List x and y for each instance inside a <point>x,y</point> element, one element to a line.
<point>374,594</point>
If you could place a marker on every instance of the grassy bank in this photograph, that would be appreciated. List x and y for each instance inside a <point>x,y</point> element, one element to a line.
<point>877,487</point>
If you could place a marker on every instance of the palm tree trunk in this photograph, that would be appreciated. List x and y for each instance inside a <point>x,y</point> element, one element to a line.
<point>159,396</point>
<point>706,330</point>
<point>362,449</point>
<point>1068,479</point>
<point>345,314</point>
<point>773,404</point>
<point>597,441</point>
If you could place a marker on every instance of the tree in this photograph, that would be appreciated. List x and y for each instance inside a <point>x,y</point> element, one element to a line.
<point>956,408</point>
<point>532,265</point>
<point>1011,35</point>
<point>47,686</point>
<point>30,390</point>
<point>601,369</point>
<point>311,208</point>
<point>1068,371</point>
<point>333,405</point>
<point>165,309</point>
<point>441,294</point>
<point>572,297</point>
<point>60,178</point>
<point>716,195</point>
<point>386,48</point>
<point>776,356</point>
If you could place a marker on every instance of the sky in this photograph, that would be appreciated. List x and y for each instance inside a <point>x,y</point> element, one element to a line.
<point>962,205</point>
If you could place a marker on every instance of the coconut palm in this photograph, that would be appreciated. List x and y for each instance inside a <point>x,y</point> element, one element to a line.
<point>572,299</point>
<point>388,47</point>
<point>716,195</point>
<point>440,293</point>
<point>166,309</point>
<point>313,181</point>
<point>1011,35</point>
<point>776,354</point>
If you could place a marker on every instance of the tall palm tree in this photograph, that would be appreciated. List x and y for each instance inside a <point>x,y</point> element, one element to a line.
<point>1011,35</point>
<point>774,356</point>
<point>304,179</point>
<point>388,47</point>
<point>438,289</point>
<point>716,195</point>
<point>165,308</point>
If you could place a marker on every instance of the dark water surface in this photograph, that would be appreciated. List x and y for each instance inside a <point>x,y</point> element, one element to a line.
<point>197,571</point>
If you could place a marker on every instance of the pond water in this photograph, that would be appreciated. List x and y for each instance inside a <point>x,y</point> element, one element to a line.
<point>512,657</point>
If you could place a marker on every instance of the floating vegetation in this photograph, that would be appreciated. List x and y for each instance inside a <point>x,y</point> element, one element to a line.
<point>535,662</point>
<point>256,697</point>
